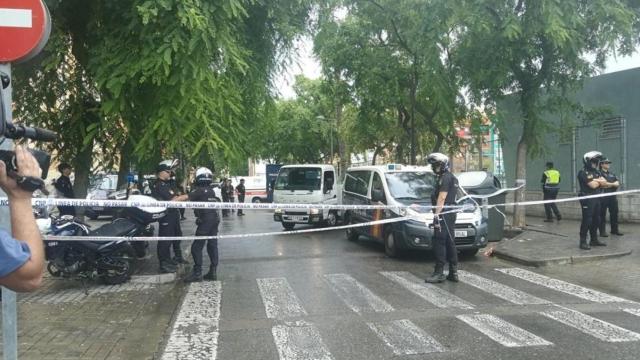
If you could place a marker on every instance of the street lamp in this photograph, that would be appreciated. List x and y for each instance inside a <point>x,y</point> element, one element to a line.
<point>322,118</point>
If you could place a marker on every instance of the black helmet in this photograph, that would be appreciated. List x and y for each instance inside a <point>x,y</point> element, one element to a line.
<point>439,162</point>
<point>204,176</point>
<point>592,157</point>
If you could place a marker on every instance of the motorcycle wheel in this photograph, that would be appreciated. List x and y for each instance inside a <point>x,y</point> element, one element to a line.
<point>125,257</point>
<point>53,270</point>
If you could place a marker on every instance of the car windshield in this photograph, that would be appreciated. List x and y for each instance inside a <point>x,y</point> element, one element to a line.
<point>299,179</point>
<point>415,186</point>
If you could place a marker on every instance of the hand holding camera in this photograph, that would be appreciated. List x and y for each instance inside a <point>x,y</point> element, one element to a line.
<point>20,176</point>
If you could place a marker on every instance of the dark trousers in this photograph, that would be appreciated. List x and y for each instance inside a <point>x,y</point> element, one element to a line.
<point>444,245</point>
<point>590,219</point>
<point>67,210</point>
<point>169,227</point>
<point>207,228</point>
<point>177,250</point>
<point>225,198</point>
<point>240,200</point>
<point>611,203</point>
<point>550,194</point>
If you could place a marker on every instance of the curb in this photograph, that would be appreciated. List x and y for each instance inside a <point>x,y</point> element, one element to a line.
<point>564,260</point>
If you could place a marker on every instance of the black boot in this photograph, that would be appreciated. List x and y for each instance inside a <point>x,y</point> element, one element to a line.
<point>212,274</point>
<point>596,242</point>
<point>195,276</point>
<point>167,267</point>
<point>437,276</point>
<point>178,259</point>
<point>453,273</point>
<point>584,245</point>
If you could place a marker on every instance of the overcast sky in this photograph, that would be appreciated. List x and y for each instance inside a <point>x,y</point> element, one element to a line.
<point>304,62</point>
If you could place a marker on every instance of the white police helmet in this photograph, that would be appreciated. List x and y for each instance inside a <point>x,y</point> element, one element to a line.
<point>204,176</point>
<point>591,156</point>
<point>438,159</point>
<point>167,165</point>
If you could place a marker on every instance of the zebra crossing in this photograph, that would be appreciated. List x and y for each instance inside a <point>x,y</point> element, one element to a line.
<point>296,336</point>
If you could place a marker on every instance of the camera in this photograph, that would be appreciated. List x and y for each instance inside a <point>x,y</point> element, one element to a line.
<point>11,131</point>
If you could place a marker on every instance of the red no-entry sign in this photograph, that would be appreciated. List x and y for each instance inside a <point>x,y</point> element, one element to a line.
<point>24,29</point>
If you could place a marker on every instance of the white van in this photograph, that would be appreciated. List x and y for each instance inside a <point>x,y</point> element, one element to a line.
<point>399,185</point>
<point>305,184</point>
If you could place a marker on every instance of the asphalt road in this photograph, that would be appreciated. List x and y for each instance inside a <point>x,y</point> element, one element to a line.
<point>319,296</point>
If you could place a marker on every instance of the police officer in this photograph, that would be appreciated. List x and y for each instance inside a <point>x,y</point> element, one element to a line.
<point>65,189</point>
<point>207,221</point>
<point>241,190</point>
<point>443,196</point>
<point>591,183</point>
<point>225,195</point>
<point>170,224</point>
<point>609,202</point>
<point>550,188</point>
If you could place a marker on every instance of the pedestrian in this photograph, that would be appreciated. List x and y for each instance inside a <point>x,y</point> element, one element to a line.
<point>225,195</point>
<point>550,187</point>
<point>231,192</point>
<point>207,221</point>
<point>22,251</point>
<point>609,202</point>
<point>240,189</point>
<point>591,183</point>
<point>444,219</point>
<point>65,189</point>
<point>170,223</point>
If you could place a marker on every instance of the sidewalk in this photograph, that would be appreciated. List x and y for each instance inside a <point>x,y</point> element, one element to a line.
<point>543,244</point>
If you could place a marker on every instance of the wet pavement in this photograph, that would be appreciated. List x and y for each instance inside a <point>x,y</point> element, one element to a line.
<point>319,296</point>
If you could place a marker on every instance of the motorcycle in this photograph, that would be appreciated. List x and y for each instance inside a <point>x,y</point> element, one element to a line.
<point>110,261</point>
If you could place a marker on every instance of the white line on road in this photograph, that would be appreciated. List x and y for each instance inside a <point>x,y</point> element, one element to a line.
<point>497,289</point>
<point>503,332</point>
<point>299,340</point>
<point>355,295</point>
<point>279,299</point>
<point>18,18</point>
<point>405,338</point>
<point>195,331</point>
<point>563,286</point>
<point>429,292</point>
<point>635,312</point>
<point>591,326</point>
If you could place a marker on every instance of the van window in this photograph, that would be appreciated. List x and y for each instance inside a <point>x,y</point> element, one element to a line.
<point>376,183</point>
<point>357,182</point>
<point>329,180</point>
<point>410,185</point>
<point>299,179</point>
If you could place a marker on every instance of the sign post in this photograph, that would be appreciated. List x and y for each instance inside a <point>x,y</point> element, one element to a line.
<point>25,26</point>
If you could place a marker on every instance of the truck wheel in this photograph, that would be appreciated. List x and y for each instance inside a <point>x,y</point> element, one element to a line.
<point>288,226</point>
<point>256,200</point>
<point>469,252</point>
<point>332,219</point>
<point>390,244</point>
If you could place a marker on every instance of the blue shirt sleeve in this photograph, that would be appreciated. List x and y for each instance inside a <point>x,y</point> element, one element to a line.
<point>13,253</point>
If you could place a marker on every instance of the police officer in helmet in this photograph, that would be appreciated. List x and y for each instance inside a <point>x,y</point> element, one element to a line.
<point>444,219</point>
<point>207,221</point>
<point>170,223</point>
<point>591,183</point>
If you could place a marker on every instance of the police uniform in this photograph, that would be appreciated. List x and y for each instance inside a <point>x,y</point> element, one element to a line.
<point>207,221</point>
<point>65,189</point>
<point>550,188</point>
<point>241,193</point>
<point>444,245</point>
<point>590,207</point>
<point>169,224</point>
<point>611,203</point>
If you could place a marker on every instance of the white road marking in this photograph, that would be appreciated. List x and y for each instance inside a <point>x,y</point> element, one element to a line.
<point>299,340</point>
<point>635,312</point>
<point>499,290</point>
<point>591,326</point>
<point>18,18</point>
<point>279,299</point>
<point>433,294</point>
<point>563,286</point>
<point>76,295</point>
<point>195,331</point>
<point>405,338</point>
<point>503,332</point>
<point>355,295</point>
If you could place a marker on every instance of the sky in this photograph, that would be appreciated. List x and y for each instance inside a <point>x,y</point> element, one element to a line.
<point>304,62</point>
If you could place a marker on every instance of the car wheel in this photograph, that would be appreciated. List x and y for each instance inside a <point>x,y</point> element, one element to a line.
<point>288,226</point>
<point>256,200</point>
<point>469,252</point>
<point>332,219</point>
<point>390,244</point>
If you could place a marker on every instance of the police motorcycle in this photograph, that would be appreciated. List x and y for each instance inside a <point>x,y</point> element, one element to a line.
<point>110,261</point>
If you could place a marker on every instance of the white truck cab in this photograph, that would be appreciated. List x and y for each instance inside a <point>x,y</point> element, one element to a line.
<point>306,184</point>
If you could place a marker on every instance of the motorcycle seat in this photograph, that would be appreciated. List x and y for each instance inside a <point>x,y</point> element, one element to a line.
<point>119,227</point>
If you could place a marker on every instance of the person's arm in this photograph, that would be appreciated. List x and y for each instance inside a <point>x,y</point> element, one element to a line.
<point>27,277</point>
<point>544,179</point>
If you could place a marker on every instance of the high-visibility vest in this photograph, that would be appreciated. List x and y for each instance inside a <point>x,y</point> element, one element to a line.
<point>553,177</point>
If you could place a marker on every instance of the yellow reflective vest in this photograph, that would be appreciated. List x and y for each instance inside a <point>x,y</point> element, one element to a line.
<point>552,177</point>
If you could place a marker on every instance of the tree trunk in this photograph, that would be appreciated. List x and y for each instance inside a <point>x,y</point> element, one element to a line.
<point>82,170</point>
<point>519,214</point>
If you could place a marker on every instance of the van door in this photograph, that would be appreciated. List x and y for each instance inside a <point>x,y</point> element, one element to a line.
<point>355,192</point>
<point>376,231</point>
